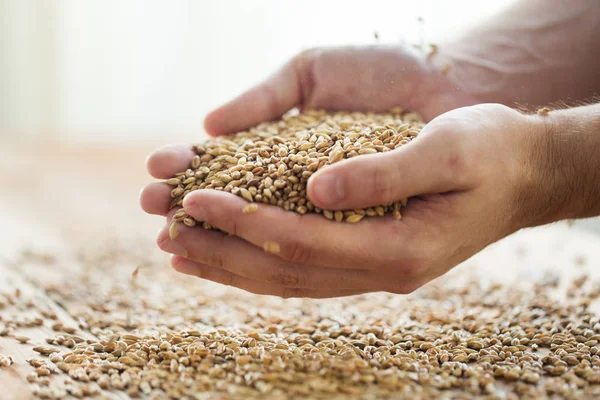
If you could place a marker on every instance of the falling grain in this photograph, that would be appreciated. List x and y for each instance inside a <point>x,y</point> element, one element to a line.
<point>135,273</point>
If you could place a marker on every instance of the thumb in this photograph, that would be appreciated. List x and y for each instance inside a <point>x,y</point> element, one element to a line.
<point>287,88</point>
<point>426,165</point>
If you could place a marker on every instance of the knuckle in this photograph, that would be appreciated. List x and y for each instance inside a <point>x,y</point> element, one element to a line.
<point>287,276</point>
<point>456,163</point>
<point>215,260</point>
<point>176,264</point>
<point>230,280</point>
<point>162,240</point>
<point>200,271</point>
<point>305,57</point>
<point>404,288</point>
<point>450,143</point>
<point>213,254</point>
<point>233,227</point>
<point>414,268</point>
<point>297,252</point>
<point>382,187</point>
<point>271,97</point>
<point>303,65</point>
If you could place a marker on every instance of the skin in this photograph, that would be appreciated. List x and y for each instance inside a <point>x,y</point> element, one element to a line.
<point>495,169</point>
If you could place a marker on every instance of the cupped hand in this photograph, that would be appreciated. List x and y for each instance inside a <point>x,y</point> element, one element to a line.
<point>374,78</point>
<point>469,175</point>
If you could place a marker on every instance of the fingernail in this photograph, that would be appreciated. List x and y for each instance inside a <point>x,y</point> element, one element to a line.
<point>328,189</point>
<point>173,247</point>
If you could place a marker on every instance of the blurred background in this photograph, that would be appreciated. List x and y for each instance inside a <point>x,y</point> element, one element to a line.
<point>89,87</point>
<point>148,70</point>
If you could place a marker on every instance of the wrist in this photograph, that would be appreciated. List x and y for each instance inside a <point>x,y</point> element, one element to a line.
<point>565,165</point>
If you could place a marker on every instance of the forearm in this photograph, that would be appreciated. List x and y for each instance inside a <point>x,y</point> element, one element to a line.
<point>566,156</point>
<point>535,53</point>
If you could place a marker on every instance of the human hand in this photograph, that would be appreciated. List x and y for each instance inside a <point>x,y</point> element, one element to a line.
<point>374,78</point>
<point>470,175</point>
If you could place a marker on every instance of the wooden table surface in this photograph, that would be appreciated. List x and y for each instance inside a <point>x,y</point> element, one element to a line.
<point>52,194</point>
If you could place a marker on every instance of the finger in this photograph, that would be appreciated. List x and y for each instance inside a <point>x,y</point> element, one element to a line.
<point>269,100</point>
<point>221,276</point>
<point>170,214</point>
<point>428,165</point>
<point>304,239</point>
<point>219,250</point>
<point>155,198</point>
<point>167,161</point>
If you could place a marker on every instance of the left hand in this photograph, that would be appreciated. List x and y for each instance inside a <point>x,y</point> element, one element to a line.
<point>469,177</point>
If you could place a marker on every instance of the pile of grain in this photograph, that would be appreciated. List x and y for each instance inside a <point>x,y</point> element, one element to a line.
<point>168,336</point>
<point>272,162</point>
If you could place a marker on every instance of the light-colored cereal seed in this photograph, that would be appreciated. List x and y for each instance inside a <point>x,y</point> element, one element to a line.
<point>5,361</point>
<point>178,191</point>
<point>246,194</point>
<point>196,161</point>
<point>243,360</point>
<point>68,329</point>
<point>354,218</point>
<point>45,350</point>
<point>55,358</point>
<point>250,208</point>
<point>135,273</point>
<point>272,247</point>
<point>173,231</point>
<point>446,69</point>
<point>22,339</point>
<point>189,222</point>
<point>339,216</point>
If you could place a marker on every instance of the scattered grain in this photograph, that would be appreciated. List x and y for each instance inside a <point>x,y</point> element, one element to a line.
<point>5,361</point>
<point>455,338</point>
<point>22,339</point>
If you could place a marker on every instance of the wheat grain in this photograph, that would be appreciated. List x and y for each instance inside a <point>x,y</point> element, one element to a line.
<point>273,162</point>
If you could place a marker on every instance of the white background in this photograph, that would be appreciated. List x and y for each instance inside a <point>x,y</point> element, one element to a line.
<point>148,70</point>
